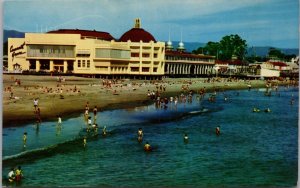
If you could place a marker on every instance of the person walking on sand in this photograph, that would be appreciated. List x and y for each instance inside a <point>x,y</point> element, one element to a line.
<point>35,103</point>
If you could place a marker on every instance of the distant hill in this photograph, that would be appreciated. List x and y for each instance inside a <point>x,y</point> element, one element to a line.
<point>263,51</point>
<point>190,46</point>
<point>12,34</point>
<point>255,50</point>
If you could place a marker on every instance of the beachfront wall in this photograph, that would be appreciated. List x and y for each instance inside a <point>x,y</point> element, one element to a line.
<point>264,72</point>
<point>73,53</point>
<point>185,64</point>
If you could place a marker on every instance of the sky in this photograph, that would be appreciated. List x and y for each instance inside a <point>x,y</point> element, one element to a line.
<point>259,22</point>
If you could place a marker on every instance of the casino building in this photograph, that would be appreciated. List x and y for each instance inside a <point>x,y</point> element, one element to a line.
<point>180,63</point>
<point>136,54</point>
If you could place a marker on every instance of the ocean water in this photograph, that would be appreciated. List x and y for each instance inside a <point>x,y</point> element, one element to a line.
<point>254,149</point>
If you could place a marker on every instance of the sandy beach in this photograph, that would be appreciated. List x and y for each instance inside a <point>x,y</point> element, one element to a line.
<point>68,96</point>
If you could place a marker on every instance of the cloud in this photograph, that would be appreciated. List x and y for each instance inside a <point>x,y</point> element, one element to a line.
<point>196,18</point>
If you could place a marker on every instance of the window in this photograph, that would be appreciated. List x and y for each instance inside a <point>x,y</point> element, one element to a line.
<point>155,69</point>
<point>88,64</point>
<point>146,55</point>
<point>135,55</point>
<point>79,63</point>
<point>155,55</point>
<point>134,69</point>
<point>145,69</point>
<point>83,63</point>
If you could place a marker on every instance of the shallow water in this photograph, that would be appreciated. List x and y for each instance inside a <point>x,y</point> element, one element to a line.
<point>254,149</point>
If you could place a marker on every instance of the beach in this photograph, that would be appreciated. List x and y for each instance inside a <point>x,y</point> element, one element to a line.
<point>68,96</point>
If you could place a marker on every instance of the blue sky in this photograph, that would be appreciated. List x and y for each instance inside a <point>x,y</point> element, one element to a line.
<point>260,22</point>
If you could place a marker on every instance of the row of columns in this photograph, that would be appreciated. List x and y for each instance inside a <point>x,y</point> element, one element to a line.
<point>51,66</point>
<point>186,69</point>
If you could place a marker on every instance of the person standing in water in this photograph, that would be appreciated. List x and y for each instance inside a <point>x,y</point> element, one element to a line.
<point>11,175</point>
<point>140,135</point>
<point>59,120</point>
<point>84,141</point>
<point>24,139</point>
<point>218,131</point>
<point>95,110</point>
<point>104,131</point>
<point>19,174</point>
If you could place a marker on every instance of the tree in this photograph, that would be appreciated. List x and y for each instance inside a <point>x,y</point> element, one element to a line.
<point>229,46</point>
<point>277,54</point>
<point>232,45</point>
<point>212,48</point>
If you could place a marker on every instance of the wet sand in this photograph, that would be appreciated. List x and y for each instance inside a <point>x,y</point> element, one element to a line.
<point>61,98</point>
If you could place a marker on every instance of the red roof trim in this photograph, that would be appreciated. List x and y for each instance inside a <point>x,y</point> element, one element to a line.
<point>85,33</point>
<point>186,54</point>
<point>280,64</point>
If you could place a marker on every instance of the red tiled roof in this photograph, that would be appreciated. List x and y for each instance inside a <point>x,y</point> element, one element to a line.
<point>186,54</point>
<point>232,62</point>
<point>280,64</point>
<point>219,62</point>
<point>85,33</point>
<point>137,35</point>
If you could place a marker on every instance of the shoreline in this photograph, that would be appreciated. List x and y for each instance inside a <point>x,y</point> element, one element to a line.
<point>19,112</point>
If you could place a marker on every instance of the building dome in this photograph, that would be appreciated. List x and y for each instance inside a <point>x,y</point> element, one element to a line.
<point>180,46</point>
<point>137,34</point>
<point>169,45</point>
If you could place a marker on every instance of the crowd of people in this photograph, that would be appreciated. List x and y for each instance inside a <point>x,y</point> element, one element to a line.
<point>161,101</point>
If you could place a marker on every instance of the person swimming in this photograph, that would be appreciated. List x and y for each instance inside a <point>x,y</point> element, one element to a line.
<point>256,110</point>
<point>267,110</point>
<point>147,147</point>
<point>185,138</point>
